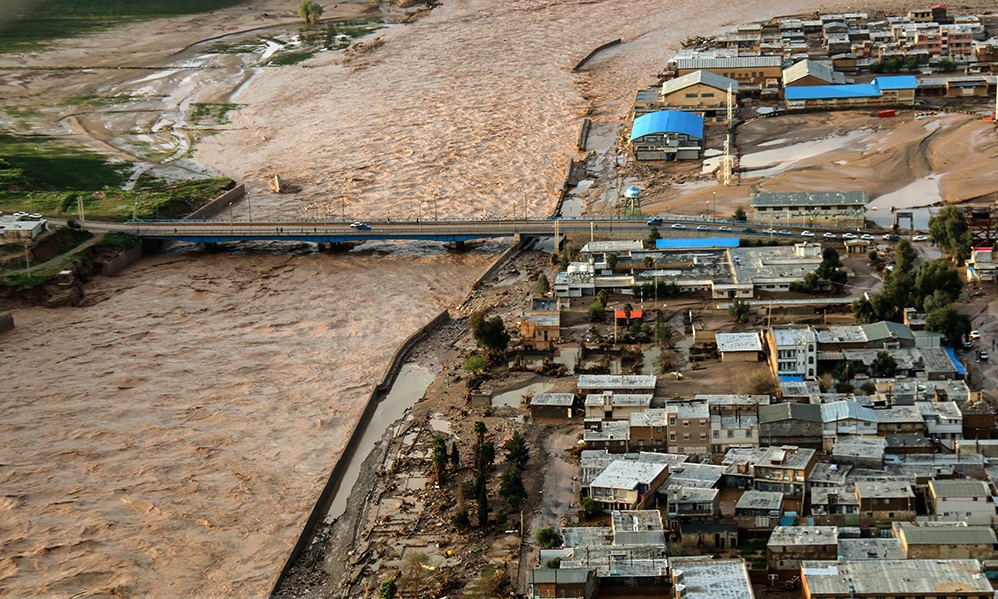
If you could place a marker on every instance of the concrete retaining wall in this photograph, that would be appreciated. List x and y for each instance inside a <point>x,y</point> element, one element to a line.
<point>122,261</point>
<point>220,203</point>
<point>599,49</point>
<point>6,321</point>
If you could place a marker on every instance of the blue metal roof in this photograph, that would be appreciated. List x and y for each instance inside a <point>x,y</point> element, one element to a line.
<point>677,243</point>
<point>788,378</point>
<point>831,92</point>
<point>960,370</point>
<point>668,121</point>
<point>896,82</point>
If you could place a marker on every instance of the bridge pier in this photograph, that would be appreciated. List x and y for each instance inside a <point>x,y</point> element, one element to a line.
<point>329,246</point>
<point>151,246</point>
<point>457,246</point>
<point>210,247</point>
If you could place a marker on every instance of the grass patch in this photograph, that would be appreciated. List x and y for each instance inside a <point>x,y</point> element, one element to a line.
<point>118,239</point>
<point>213,113</point>
<point>98,100</point>
<point>240,47</point>
<point>46,163</point>
<point>37,276</point>
<point>286,59</point>
<point>33,24</point>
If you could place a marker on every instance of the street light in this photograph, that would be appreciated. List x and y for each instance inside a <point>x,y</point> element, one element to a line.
<point>713,216</point>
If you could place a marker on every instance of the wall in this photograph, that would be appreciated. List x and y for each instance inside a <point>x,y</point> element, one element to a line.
<point>122,261</point>
<point>6,321</point>
<point>215,206</point>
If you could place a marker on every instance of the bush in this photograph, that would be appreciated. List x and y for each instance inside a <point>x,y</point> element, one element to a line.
<point>548,538</point>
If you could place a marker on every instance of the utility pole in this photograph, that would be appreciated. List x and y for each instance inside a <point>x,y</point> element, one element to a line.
<point>79,211</point>
<point>27,258</point>
<point>713,216</point>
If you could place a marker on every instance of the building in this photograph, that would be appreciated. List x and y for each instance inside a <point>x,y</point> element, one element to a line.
<point>577,583</point>
<point>667,135</point>
<point>637,527</point>
<point>705,578</point>
<point>689,428</point>
<point>855,549</point>
<point>734,420</point>
<point>649,430</point>
<point>784,469</point>
<point>17,229</point>
<point>613,436</point>
<point>873,579</point>
<point>628,485</point>
<point>710,535</point>
<point>861,452</point>
<point>838,208</point>
<point>760,505</point>
<point>884,501</point>
<point>540,329</point>
<point>577,280</point>
<point>793,351</point>
<point>951,541</point>
<point>943,420</point>
<point>692,503</point>
<point>883,91</point>
<point>789,545</point>
<point>754,73</point>
<point>552,406</point>
<point>846,418</point>
<point>790,424</point>
<point>702,92</point>
<point>739,347</point>
<point>836,506</point>
<point>811,72</point>
<point>899,420</point>
<point>968,501</point>
<point>982,265</point>
<point>615,406</point>
<point>618,383</point>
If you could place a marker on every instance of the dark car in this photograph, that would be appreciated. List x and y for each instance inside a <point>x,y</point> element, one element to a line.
<point>652,222</point>
<point>74,224</point>
<point>749,230</point>
<point>360,225</point>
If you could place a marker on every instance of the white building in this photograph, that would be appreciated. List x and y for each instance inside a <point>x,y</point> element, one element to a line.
<point>966,501</point>
<point>793,351</point>
<point>943,419</point>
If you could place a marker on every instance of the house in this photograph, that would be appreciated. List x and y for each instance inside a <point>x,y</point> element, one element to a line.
<point>952,541</point>
<point>790,424</point>
<point>649,430</point>
<point>630,552</point>
<point>689,428</point>
<point>884,91</point>
<point>859,549</point>
<point>888,335</point>
<point>784,469</point>
<point>899,420</point>
<point>760,504</point>
<point>710,535</point>
<point>609,405</point>
<point>17,229</point>
<point>846,418</point>
<point>734,420</point>
<point>909,444</point>
<point>706,578</point>
<point>618,383</point>
<point>884,501</point>
<point>637,527</point>
<point>692,503</point>
<point>702,92</point>
<point>811,72</point>
<point>873,579</point>
<point>540,329</point>
<point>577,583</point>
<point>860,452</point>
<point>789,545</point>
<point>836,506</point>
<point>577,280</point>
<point>613,436</point>
<point>667,135</point>
<point>739,347</point>
<point>839,208</point>
<point>627,485</point>
<point>792,351</point>
<point>943,419</point>
<point>968,501</point>
<point>552,406</point>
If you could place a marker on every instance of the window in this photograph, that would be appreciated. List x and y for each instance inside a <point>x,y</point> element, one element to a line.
<point>703,437</point>
<point>672,422</point>
<point>707,95</point>
<point>716,434</point>
<point>672,436</point>
<point>686,436</point>
<point>686,422</point>
<point>691,95</point>
<point>731,434</point>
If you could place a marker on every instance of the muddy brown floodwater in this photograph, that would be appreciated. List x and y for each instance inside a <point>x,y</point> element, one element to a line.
<point>170,437</point>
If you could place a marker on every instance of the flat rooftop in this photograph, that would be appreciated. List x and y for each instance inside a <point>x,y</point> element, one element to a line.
<point>553,399</point>
<point>613,382</point>
<point>688,409</point>
<point>625,245</point>
<point>738,342</point>
<point>713,578</point>
<point>803,535</point>
<point>619,399</point>
<point>793,336</point>
<point>885,489</point>
<point>758,265</point>
<point>625,474</point>
<point>859,549</point>
<point>895,577</point>
<point>760,500</point>
<point>636,520</point>
<point>842,334</point>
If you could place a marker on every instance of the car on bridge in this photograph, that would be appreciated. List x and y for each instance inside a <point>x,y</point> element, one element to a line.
<point>848,236</point>
<point>724,229</point>
<point>807,233</point>
<point>678,226</point>
<point>829,235</point>
<point>703,228</point>
<point>749,230</point>
<point>785,233</point>
<point>654,222</point>
<point>360,225</point>
<point>920,238</point>
<point>866,236</point>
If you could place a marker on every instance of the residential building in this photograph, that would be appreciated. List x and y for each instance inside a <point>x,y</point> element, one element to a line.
<point>610,405</point>
<point>943,419</point>
<point>792,351</point>
<point>899,420</point>
<point>734,420</point>
<point>874,579</point>
<point>637,527</point>
<point>702,92</point>
<point>760,504</point>
<point>710,535</point>
<point>842,418</point>
<point>739,347</point>
<point>968,501</point>
<point>20,229</point>
<point>884,501</point>
<point>789,545</point>
<point>860,452</point>
<point>689,428</point>
<point>613,436</point>
<point>791,424</point>
<point>839,208</point>
<point>811,72</point>
<point>836,506</point>
<point>667,135</point>
<point>784,469</point>
<point>951,541</point>
<point>982,265</point>
<point>863,549</point>
<point>540,329</point>
<point>552,406</point>
<point>884,91</point>
<point>628,485</point>
<point>692,503</point>
<point>752,72</point>
<point>618,383</point>
<point>577,583</point>
<point>649,430</point>
<point>705,578</point>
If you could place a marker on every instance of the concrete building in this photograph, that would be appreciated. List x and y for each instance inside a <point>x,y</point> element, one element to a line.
<point>710,535</point>
<point>760,504</point>
<point>734,420</point>
<point>811,72</point>
<point>943,420</point>
<point>609,405</point>
<point>884,91</point>
<point>968,501</point>
<point>649,430</point>
<point>20,229</point>
<point>839,208</point>
<point>754,73</point>
<point>846,418</point>
<point>618,383</point>
<point>873,579</point>
<point>705,578</point>
<point>792,351</point>
<point>865,549</point>
<point>627,485</point>
<point>739,347</point>
<point>790,424</point>
<point>784,469</point>
<point>552,406</point>
<point>789,545</point>
<point>951,541</point>
<point>899,420</point>
<point>667,135</point>
<point>982,265</point>
<point>637,527</point>
<point>837,506</point>
<point>689,428</point>
<point>577,583</point>
<point>860,452</point>
<point>884,501</point>
<point>613,436</point>
<point>692,503</point>
<point>540,329</point>
<point>702,92</point>
<point>577,281</point>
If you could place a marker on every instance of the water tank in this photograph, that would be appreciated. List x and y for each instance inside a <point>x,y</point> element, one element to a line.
<point>632,193</point>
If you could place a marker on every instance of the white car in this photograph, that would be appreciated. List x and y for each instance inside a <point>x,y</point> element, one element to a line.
<point>770,231</point>
<point>848,236</point>
<point>678,226</point>
<point>829,235</point>
<point>806,234</point>
<point>866,236</point>
<point>724,228</point>
<point>920,238</point>
<point>703,228</point>
<point>975,334</point>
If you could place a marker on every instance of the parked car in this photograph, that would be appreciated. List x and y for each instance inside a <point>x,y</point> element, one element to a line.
<point>807,234</point>
<point>848,236</point>
<point>653,222</point>
<point>975,334</point>
<point>678,226</point>
<point>982,354</point>
<point>360,225</point>
<point>920,238</point>
<point>703,228</point>
<point>889,237</point>
<point>829,235</point>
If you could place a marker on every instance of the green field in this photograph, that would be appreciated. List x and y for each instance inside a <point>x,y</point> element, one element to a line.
<point>35,23</point>
<point>42,174</point>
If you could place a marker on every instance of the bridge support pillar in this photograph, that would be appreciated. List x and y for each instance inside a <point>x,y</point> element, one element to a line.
<point>151,246</point>
<point>211,248</point>
<point>457,246</point>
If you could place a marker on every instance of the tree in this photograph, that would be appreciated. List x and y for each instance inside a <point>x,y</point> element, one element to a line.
<point>862,310</point>
<point>884,365</point>
<point>517,452</point>
<point>310,11</point>
<point>611,261</point>
<point>602,296</point>
<point>597,313</point>
<point>455,457</point>
<point>439,458</point>
<point>490,334</point>
<point>953,325</point>
<point>553,564</point>
<point>663,332</point>
<point>387,589</point>
<point>548,537</point>
<point>934,276</point>
<point>904,257</point>
<point>761,384</point>
<point>542,286</point>
<point>648,262</point>
<point>627,311</point>
<point>948,230</point>
<point>828,272</point>
<point>590,507</point>
<point>482,497</point>
<point>740,311</point>
<point>938,299</point>
<point>653,236</point>
<point>475,364</point>
<point>739,214</point>
<point>947,64</point>
<point>511,488</point>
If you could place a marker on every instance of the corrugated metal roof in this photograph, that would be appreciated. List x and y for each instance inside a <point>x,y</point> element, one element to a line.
<point>959,488</point>
<point>740,62</point>
<point>705,77</point>
<point>668,121</point>
<point>946,535</point>
<point>887,330</point>
<point>788,411</point>
<point>896,82</point>
<point>677,243</point>
<point>815,69</point>
<point>806,198</point>
<point>832,92</point>
<point>841,410</point>
<point>559,575</point>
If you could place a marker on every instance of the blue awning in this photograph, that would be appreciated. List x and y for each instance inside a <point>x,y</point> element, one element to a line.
<point>956,361</point>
